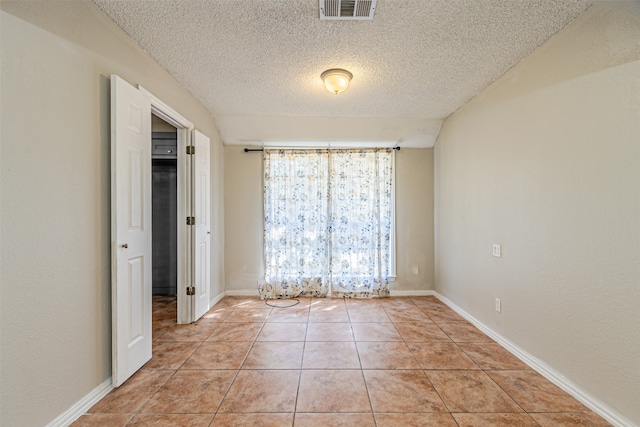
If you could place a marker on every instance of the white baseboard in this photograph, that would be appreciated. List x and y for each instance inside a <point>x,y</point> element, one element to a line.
<point>416,293</point>
<point>543,369</point>
<point>82,405</point>
<point>216,299</point>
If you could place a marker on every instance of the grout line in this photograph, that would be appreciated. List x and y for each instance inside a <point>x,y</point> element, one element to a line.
<point>233,380</point>
<point>410,302</point>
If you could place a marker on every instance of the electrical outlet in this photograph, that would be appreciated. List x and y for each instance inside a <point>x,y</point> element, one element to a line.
<point>497,250</point>
<point>414,270</point>
<point>498,305</point>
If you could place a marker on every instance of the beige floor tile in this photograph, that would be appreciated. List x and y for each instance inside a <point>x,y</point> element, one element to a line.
<point>159,327</point>
<point>441,355</point>
<point>362,302</point>
<point>328,314</point>
<point>187,391</point>
<point>327,303</point>
<point>491,356</point>
<point>283,332</point>
<point>218,355</point>
<point>406,315</point>
<point>330,355</point>
<point>427,301</point>
<point>262,391</point>
<point>368,315</point>
<point>332,391</point>
<point>164,313</point>
<point>329,332</point>
<point>463,332</point>
<point>494,420</point>
<point>415,420</point>
<point>102,420</point>
<point>305,302</point>
<point>236,332</point>
<point>191,332</point>
<point>534,392</point>
<point>386,355</point>
<point>576,419</point>
<point>130,396</point>
<point>171,420</point>
<point>289,315</point>
<point>217,314</point>
<point>421,331</point>
<point>375,332</point>
<point>402,391</point>
<point>397,302</point>
<point>443,315</point>
<point>241,302</point>
<point>471,391</point>
<point>248,315</point>
<point>334,420</point>
<point>170,354</point>
<point>164,299</point>
<point>274,355</point>
<point>309,357</point>
<point>285,304</point>
<point>253,420</point>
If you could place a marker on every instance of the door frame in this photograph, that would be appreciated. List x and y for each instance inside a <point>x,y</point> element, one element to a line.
<point>184,272</point>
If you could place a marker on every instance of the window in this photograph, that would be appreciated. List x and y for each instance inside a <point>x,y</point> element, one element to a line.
<point>328,222</point>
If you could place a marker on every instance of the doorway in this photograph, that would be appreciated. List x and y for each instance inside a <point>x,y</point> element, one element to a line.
<point>164,205</point>
<point>164,217</point>
<point>132,110</point>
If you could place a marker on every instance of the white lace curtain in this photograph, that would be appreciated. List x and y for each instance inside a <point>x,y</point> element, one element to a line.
<point>327,222</point>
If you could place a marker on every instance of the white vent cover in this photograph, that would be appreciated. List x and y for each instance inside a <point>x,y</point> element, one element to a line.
<point>347,9</point>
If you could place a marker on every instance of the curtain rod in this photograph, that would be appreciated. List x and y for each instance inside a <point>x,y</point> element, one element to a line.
<point>247,150</point>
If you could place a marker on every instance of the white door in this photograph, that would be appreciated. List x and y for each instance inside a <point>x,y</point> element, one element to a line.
<point>130,229</point>
<point>202,238</point>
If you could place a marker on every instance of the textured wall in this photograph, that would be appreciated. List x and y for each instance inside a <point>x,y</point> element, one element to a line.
<point>244,219</point>
<point>546,162</point>
<point>55,228</point>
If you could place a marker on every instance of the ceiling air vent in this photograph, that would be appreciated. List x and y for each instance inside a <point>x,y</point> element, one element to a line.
<point>347,9</point>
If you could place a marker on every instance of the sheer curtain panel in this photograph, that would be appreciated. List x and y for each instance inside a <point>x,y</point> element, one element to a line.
<point>296,197</point>
<point>328,219</point>
<point>360,222</point>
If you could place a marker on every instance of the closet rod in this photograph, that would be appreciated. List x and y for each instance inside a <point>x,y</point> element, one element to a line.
<point>247,150</point>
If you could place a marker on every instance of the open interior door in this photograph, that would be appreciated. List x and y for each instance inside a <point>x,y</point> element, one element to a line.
<point>130,229</point>
<point>202,239</point>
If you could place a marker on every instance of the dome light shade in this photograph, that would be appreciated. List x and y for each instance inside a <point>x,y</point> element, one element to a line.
<point>336,80</point>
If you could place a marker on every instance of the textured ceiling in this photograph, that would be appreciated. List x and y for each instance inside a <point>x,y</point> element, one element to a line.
<point>256,64</point>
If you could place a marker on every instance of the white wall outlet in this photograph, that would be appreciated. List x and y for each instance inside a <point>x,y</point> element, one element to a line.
<point>497,250</point>
<point>415,270</point>
<point>498,305</point>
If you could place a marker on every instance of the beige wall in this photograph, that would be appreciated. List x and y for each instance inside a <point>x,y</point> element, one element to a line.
<point>244,219</point>
<point>56,312</point>
<point>414,219</point>
<point>243,211</point>
<point>546,162</point>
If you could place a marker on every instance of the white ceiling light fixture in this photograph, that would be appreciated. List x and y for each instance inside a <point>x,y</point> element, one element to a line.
<point>336,80</point>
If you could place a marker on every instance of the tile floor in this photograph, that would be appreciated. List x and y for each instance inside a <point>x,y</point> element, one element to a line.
<point>332,362</point>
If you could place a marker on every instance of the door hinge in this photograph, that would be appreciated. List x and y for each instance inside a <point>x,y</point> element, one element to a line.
<point>191,149</point>
<point>191,220</point>
<point>191,290</point>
